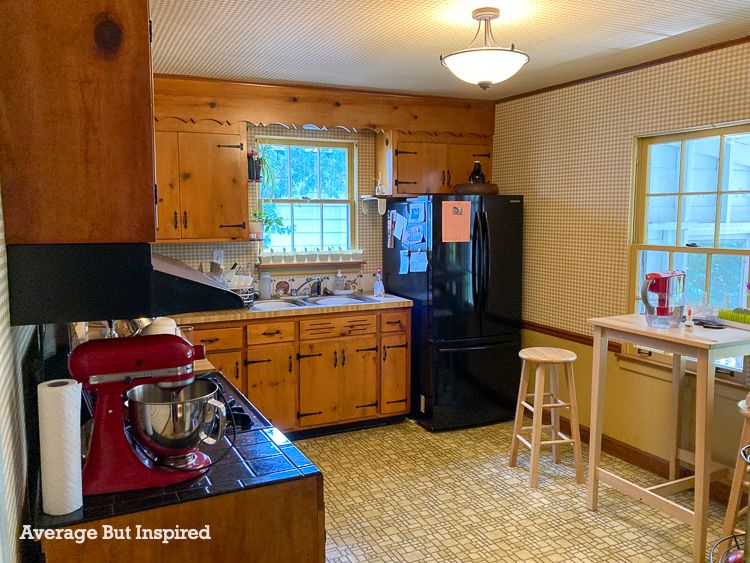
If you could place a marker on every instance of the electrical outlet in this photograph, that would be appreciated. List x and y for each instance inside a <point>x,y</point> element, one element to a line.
<point>218,256</point>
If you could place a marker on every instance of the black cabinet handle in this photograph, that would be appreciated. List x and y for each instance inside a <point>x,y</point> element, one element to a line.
<point>404,182</point>
<point>303,414</point>
<point>176,221</point>
<point>484,154</point>
<point>335,358</point>
<point>290,363</point>
<point>303,356</point>
<point>385,349</point>
<point>251,362</point>
<point>398,152</point>
<point>449,177</point>
<point>373,349</point>
<point>237,370</point>
<point>375,404</point>
<point>236,226</point>
<point>442,182</point>
<point>269,333</point>
<point>393,402</point>
<point>185,220</point>
<point>343,358</point>
<point>239,147</point>
<point>209,340</point>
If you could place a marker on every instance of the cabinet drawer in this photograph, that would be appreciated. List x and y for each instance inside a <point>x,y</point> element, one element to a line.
<point>337,326</point>
<point>268,333</point>
<point>219,338</point>
<point>394,322</point>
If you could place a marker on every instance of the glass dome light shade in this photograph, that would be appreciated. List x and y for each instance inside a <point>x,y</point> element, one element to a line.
<point>485,65</point>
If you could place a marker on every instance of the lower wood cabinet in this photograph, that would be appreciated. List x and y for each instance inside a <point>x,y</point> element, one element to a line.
<point>395,360</point>
<point>358,377</point>
<point>318,383</point>
<point>271,383</point>
<point>230,364</point>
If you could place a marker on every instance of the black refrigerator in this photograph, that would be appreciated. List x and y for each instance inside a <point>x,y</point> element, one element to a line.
<point>466,319</point>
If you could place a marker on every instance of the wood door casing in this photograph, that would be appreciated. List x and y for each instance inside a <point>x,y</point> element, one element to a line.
<point>394,369</point>
<point>168,207</point>
<point>427,168</point>
<point>230,364</point>
<point>271,383</point>
<point>318,383</point>
<point>461,160</point>
<point>213,186</point>
<point>359,378</point>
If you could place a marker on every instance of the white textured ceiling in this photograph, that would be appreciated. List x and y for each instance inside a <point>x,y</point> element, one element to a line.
<point>395,44</point>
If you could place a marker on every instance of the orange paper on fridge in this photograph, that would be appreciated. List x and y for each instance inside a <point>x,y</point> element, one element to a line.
<point>456,221</point>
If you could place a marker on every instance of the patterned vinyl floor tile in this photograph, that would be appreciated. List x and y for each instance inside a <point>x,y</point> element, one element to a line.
<point>401,494</point>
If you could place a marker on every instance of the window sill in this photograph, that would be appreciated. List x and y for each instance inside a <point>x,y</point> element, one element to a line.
<point>319,266</point>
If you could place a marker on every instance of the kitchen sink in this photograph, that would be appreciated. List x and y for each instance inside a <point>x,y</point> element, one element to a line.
<point>276,304</point>
<point>332,300</point>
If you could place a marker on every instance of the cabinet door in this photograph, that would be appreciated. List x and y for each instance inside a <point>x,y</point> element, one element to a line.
<point>213,186</point>
<point>394,371</point>
<point>421,168</point>
<point>461,160</point>
<point>230,364</point>
<point>318,383</point>
<point>271,383</point>
<point>359,378</point>
<point>168,186</point>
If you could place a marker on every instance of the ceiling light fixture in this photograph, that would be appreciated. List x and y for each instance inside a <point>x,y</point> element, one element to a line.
<point>488,63</point>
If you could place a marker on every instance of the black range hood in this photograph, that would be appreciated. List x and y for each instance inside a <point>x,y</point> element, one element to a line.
<point>58,283</point>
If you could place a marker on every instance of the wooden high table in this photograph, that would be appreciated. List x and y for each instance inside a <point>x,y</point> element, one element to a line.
<point>706,345</point>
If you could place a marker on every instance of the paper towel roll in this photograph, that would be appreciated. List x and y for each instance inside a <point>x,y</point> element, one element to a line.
<point>60,445</point>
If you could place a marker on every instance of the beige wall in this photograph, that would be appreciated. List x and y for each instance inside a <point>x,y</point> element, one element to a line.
<point>569,152</point>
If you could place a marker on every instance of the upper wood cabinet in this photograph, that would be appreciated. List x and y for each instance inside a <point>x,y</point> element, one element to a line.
<point>201,185</point>
<point>427,164</point>
<point>76,134</point>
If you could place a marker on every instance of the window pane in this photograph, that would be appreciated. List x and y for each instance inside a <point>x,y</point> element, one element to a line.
<point>728,279</point>
<point>734,230</point>
<point>307,226</point>
<point>698,219</point>
<point>737,162</point>
<point>333,173</point>
<point>303,162</point>
<point>702,164</point>
<point>661,220</point>
<point>277,185</point>
<point>694,266</point>
<point>336,226</point>
<point>663,168</point>
<point>279,238</point>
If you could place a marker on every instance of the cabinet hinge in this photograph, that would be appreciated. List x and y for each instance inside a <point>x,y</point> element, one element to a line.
<point>303,414</point>
<point>375,404</point>
<point>251,362</point>
<point>302,356</point>
<point>393,402</point>
<point>398,152</point>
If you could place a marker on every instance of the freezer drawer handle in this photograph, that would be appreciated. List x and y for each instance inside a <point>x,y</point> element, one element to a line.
<point>393,402</point>
<point>302,414</point>
<point>235,226</point>
<point>303,356</point>
<point>239,147</point>
<point>375,404</point>
<point>251,362</point>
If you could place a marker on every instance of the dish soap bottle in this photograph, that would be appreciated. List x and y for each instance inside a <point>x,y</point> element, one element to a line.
<point>379,289</point>
<point>339,282</point>
<point>477,176</point>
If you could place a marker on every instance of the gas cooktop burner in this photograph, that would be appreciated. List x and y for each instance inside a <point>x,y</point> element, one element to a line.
<point>238,416</point>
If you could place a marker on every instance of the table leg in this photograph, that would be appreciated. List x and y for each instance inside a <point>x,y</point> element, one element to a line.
<point>678,373</point>
<point>598,379</point>
<point>704,407</point>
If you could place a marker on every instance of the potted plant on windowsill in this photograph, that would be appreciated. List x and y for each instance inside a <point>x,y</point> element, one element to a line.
<point>262,222</point>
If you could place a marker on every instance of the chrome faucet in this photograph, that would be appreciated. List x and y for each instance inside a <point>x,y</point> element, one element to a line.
<point>295,291</point>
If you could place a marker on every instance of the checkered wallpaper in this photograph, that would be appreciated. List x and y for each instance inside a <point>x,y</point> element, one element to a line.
<point>369,227</point>
<point>570,153</point>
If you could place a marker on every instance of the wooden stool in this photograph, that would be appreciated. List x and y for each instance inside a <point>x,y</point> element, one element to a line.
<point>546,360</point>
<point>740,469</point>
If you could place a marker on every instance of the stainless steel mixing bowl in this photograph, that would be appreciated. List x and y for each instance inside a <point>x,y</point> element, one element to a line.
<point>173,422</point>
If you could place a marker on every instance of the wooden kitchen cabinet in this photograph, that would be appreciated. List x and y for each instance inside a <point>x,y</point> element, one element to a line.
<point>358,377</point>
<point>461,160</point>
<point>318,383</point>
<point>230,364</point>
<point>76,134</point>
<point>201,185</point>
<point>394,373</point>
<point>434,168</point>
<point>271,383</point>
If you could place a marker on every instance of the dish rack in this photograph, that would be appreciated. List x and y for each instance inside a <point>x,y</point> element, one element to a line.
<point>247,294</point>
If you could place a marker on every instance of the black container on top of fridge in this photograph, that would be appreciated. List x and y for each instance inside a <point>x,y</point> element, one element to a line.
<point>466,318</point>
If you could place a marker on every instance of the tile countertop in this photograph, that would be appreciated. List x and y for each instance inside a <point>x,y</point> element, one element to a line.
<point>257,457</point>
<point>229,315</point>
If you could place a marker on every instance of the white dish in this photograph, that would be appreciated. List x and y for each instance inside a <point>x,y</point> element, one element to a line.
<point>343,291</point>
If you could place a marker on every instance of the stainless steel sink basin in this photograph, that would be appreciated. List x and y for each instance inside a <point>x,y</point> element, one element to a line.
<point>332,300</point>
<point>276,304</point>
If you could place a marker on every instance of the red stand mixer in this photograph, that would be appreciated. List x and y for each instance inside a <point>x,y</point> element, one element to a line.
<point>663,296</point>
<point>169,413</point>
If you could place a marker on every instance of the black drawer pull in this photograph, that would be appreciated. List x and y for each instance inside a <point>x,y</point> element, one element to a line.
<point>393,322</point>
<point>290,363</point>
<point>302,414</point>
<point>274,333</point>
<point>239,147</point>
<point>251,362</point>
<point>375,404</point>
<point>176,221</point>
<point>209,340</point>
<point>335,358</point>
<point>373,349</point>
<point>237,226</point>
<point>392,402</point>
<point>303,356</point>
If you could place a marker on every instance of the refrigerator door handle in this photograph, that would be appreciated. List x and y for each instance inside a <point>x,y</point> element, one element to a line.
<point>486,258</point>
<point>476,280</point>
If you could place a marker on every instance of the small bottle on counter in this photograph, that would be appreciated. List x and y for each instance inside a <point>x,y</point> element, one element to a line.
<point>339,282</point>
<point>689,320</point>
<point>379,288</point>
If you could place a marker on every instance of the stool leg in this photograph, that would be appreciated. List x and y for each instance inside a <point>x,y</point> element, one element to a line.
<point>554,386</point>
<point>574,428</point>
<point>536,427</point>
<point>523,389</point>
<point>733,506</point>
